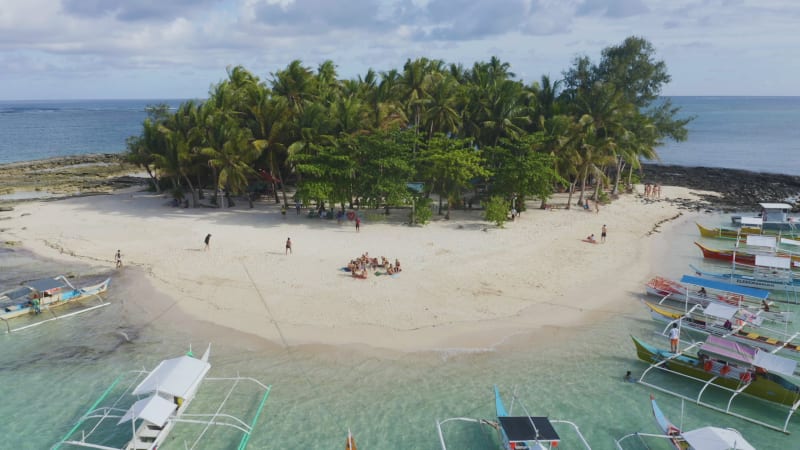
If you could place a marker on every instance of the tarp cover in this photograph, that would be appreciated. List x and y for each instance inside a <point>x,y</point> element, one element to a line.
<point>713,438</point>
<point>520,429</point>
<point>773,261</point>
<point>752,221</point>
<point>727,287</point>
<point>46,284</point>
<point>762,241</point>
<point>775,363</point>
<point>155,410</point>
<point>721,311</point>
<point>728,350</point>
<point>176,377</point>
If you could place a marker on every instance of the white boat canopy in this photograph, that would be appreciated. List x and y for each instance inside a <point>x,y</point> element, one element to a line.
<point>176,377</point>
<point>757,221</point>
<point>776,262</point>
<point>790,241</point>
<point>762,241</point>
<point>155,410</point>
<point>721,311</point>
<point>775,206</point>
<point>713,438</point>
<point>774,363</point>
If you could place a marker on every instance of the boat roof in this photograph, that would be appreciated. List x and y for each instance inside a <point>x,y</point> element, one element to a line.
<point>528,428</point>
<point>775,205</point>
<point>752,221</point>
<point>728,350</point>
<point>756,240</point>
<point>778,262</point>
<point>721,311</point>
<point>174,376</point>
<point>774,363</point>
<point>713,438</point>
<point>16,293</point>
<point>46,284</point>
<point>788,241</point>
<point>727,287</point>
<point>155,410</point>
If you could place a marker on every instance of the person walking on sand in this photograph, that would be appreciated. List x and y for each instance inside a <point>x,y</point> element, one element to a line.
<point>603,233</point>
<point>118,259</point>
<point>288,246</point>
<point>358,223</point>
<point>207,242</point>
<point>674,337</point>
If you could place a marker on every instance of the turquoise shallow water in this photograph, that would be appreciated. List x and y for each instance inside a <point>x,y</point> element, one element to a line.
<point>53,373</point>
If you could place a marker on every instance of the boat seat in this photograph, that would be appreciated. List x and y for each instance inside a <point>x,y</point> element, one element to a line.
<point>149,433</point>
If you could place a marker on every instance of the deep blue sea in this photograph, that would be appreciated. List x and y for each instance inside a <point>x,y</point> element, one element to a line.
<point>753,133</point>
<point>31,130</point>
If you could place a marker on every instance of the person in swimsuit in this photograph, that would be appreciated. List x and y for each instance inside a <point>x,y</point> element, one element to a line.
<point>207,241</point>
<point>288,246</point>
<point>603,234</point>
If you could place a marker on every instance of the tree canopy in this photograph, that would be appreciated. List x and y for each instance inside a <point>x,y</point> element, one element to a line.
<point>453,128</point>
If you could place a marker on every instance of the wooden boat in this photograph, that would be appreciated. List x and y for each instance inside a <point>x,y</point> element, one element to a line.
<point>700,291</point>
<point>712,321</point>
<point>351,442</point>
<point>728,367</point>
<point>741,256</point>
<point>706,438</point>
<point>38,296</point>
<point>520,432</point>
<point>160,401</point>
<point>780,279</point>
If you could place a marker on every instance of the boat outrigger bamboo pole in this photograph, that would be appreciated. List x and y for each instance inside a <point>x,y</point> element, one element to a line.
<point>91,408</point>
<point>246,437</point>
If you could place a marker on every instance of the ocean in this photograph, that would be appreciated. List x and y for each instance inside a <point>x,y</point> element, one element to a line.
<point>751,133</point>
<point>390,400</point>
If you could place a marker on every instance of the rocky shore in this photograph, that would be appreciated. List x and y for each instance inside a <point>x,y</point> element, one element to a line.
<point>65,177</point>
<point>738,189</point>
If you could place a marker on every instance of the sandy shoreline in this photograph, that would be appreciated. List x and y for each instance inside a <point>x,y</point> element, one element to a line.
<point>462,287</point>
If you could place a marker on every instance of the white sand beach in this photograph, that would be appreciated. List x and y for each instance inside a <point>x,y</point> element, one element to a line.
<point>465,284</point>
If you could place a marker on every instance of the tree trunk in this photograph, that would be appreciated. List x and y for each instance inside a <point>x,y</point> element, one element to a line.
<point>571,191</point>
<point>617,177</point>
<point>153,179</point>
<point>191,188</point>
<point>583,185</point>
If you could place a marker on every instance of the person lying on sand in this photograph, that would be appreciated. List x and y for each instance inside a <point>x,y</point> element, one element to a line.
<point>591,239</point>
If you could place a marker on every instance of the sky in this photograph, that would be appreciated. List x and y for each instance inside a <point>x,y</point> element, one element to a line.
<point>165,49</point>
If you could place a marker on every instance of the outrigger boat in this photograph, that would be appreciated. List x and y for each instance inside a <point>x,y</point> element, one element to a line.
<point>730,368</point>
<point>774,217</point>
<point>519,432</point>
<point>722,321</point>
<point>743,257</point>
<point>706,438</point>
<point>704,292</point>
<point>162,397</point>
<point>770,273</point>
<point>38,296</point>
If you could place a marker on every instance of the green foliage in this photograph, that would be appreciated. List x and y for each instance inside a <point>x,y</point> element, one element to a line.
<point>496,210</point>
<point>422,212</point>
<point>452,127</point>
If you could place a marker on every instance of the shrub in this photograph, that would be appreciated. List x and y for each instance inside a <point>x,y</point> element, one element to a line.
<point>422,212</point>
<point>496,210</point>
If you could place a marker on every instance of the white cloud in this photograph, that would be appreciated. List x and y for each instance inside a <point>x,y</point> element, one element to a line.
<point>710,46</point>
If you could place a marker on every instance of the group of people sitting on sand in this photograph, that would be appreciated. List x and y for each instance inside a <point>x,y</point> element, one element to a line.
<point>358,266</point>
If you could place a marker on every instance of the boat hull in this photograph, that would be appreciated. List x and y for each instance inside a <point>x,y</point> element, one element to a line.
<point>769,387</point>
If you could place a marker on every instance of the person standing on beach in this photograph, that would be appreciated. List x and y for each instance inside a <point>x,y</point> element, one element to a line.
<point>288,246</point>
<point>674,337</point>
<point>603,233</point>
<point>207,242</point>
<point>118,259</point>
<point>358,223</point>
